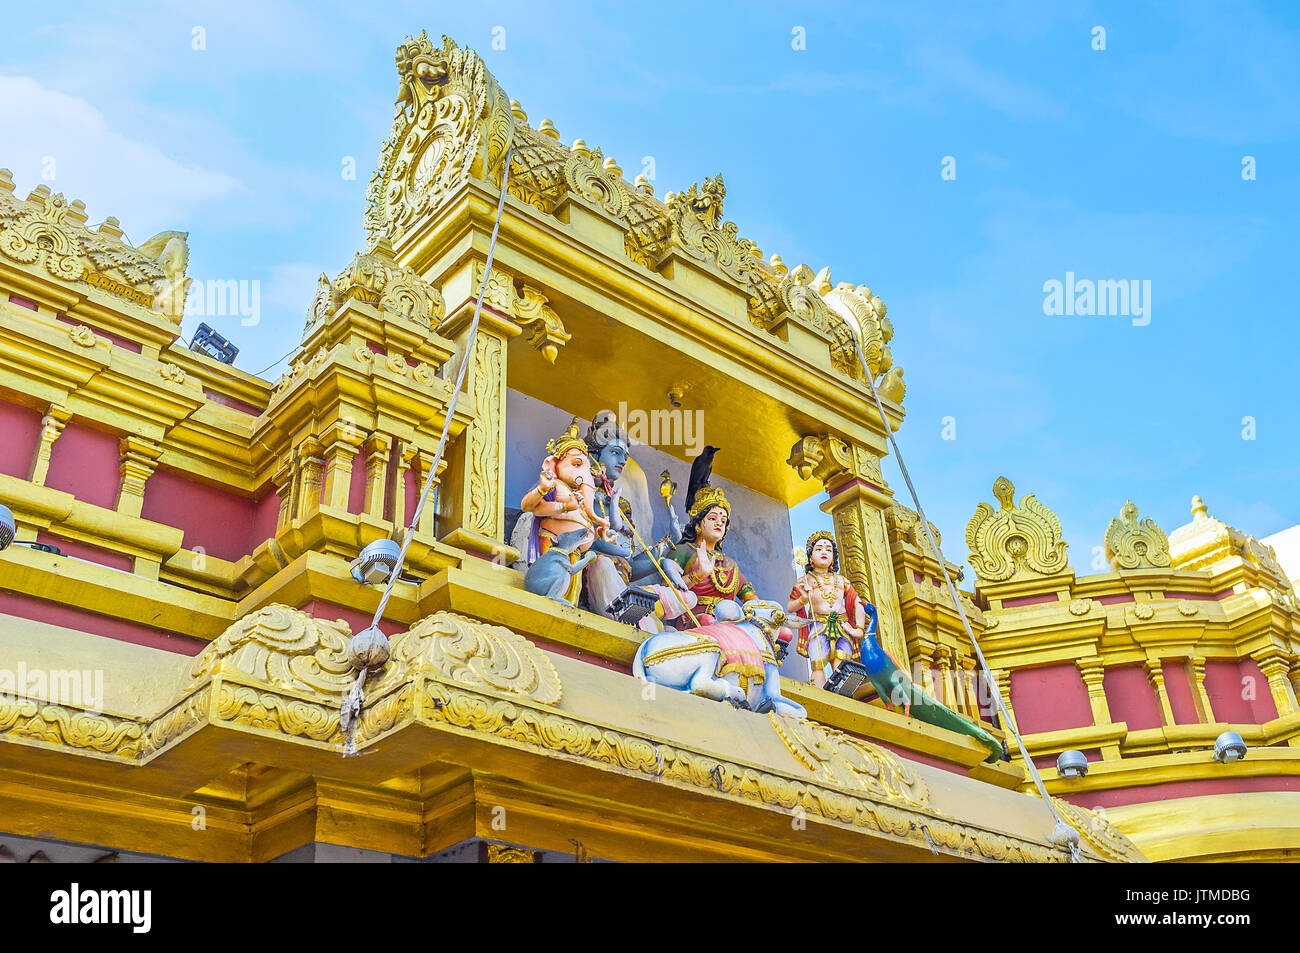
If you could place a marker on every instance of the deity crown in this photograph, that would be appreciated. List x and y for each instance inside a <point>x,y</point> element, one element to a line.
<point>569,440</point>
<point>707,497</point>
<point>818,536</point>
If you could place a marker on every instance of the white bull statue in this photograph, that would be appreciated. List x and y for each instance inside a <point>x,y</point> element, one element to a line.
<point>736,659</point>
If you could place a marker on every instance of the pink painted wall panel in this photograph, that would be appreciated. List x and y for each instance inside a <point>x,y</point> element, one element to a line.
<point>413,489</point>
<point>1050,698</point>
<point>357,488</point>
<point>1223,685</point>
<point>219,521</point>
<point>266,514</point>
<point>85,463</point>
<point>1262,703</point>
<point>1131,698</point>
<point>1178,686</point>
<point>20,432</point>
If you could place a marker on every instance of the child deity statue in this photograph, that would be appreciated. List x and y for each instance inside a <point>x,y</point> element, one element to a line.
<point>563,501</point>
<point>834,606</point>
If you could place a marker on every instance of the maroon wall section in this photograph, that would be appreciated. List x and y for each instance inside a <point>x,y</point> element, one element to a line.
<point>1131,698</point>
<point>1178,686</point>
<point>224,523</point>
<point>1050,698</point>
<point>20,433</point>
<point>85,462</point>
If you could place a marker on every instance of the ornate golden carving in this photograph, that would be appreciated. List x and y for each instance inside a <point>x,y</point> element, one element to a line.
<point>850,762</point>
<point>595,180</point>
<point>375,278</point>
<point>41,235</point>
<point>172,372</point>
<point>1188,608</point>
<point>283,647</point>
<point>1080,607</point>
<point>83,336</point>
<point>537,169</point>
<point>485,436</point>
<point>1098,833</point>
<point>529,308</point>
<point>1016,541</point>
<point>501,854</point>
<point>474,654</point>
<point>1144,611</point>
<point>1130,544</point>
<point>65,726</point>
<point>452,122</point>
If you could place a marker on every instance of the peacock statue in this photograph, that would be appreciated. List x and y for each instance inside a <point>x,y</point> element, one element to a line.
<point>894,687</point>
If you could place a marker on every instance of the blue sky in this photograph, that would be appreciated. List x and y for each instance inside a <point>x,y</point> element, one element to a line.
<point>1117,164</point>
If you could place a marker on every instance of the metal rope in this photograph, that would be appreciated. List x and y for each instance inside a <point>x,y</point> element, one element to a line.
<point>1062,830</point>
<point>356,697</point>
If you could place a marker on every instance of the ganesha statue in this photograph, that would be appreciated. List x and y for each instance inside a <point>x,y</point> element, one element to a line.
<point>565,522</point>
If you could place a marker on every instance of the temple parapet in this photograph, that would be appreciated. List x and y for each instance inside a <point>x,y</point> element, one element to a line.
<point>1143,667</point>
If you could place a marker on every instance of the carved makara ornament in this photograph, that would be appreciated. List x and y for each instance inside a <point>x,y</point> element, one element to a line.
<point>1130,544</point>
<point>529,308</point>
<point>1017,540</point>
<point>452,122</point>
<point>597,180</point>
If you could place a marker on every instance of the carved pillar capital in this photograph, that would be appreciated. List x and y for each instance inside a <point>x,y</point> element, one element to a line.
<point>311,467</point>
<point>52,424</point>
<point>139,458</point>
<point>1275,667</point>
<point>1093,672</point>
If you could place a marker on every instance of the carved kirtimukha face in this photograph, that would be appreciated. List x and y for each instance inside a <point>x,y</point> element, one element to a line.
<point>823,554</point>
<point>714,525</point>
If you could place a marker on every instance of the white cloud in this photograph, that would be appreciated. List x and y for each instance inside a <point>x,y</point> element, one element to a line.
<point>114,173</point>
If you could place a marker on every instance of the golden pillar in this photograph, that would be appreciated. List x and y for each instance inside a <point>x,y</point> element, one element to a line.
<point>1275,667</point>
<point>51,426</point>
<point>1156,675</point>
<point>1093,672</point>
<point>343,443</point>
<point>285,485</point>
<point>472,500</point>
<point>968,666</point>
<point>139,459</point>
<point>376,449</point>
<point>1003,687</point>
<point>857,504</point>
<point>1196,669</point>
<point>311,466</point>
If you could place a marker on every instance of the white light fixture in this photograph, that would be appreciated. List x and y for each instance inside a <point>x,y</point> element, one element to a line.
<point>376,562</point>
<point>1229,747</point>
<point>1072,764</point>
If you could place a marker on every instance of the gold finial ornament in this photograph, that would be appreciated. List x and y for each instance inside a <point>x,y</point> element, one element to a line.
<point>1130,544</point>
<point>708,496</point>
<point>1017,541</point>
<point>569,440</point>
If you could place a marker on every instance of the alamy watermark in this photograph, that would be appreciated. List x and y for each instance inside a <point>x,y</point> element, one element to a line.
<point>1083,296</point>
<point>673,427</point>
<point>75,688</point>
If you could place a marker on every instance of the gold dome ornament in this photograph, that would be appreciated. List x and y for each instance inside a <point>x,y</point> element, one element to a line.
<point>706,498</point>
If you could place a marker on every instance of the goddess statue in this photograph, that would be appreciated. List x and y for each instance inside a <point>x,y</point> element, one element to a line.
<point>835,607</point>
<point>707,571</point>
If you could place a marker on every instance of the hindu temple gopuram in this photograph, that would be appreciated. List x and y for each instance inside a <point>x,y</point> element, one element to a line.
<point>594,644</point>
